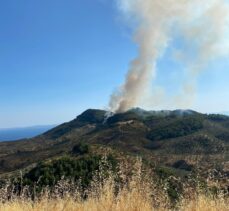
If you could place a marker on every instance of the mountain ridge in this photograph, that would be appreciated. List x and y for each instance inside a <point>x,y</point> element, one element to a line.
<point>162,136</point>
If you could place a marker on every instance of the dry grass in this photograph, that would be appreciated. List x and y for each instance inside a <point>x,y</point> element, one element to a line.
<point>130,201</point>
<point>137,193</point>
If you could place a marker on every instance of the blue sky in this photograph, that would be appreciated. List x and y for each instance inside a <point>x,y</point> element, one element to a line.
<point>60,57</point>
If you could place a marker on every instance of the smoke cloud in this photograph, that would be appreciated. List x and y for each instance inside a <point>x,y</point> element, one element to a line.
<point>203,26</point>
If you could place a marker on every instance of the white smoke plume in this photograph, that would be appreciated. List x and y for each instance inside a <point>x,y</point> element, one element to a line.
<point>203,25</point>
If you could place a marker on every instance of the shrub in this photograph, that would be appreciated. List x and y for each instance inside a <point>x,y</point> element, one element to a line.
<point>82,169</point>
<point>80,148</point>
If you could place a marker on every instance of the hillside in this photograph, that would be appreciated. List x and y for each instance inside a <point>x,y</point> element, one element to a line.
<point>180,139</point>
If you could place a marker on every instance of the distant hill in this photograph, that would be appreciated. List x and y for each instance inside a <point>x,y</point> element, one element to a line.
<point>225,113</point>
<point>163,137</point>
<point>24,132</point>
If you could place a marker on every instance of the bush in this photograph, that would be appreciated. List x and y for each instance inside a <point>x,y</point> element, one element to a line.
<point>80,148</point>
<point>82,169</point>
<point>172,185</point>
<point>182,164</point>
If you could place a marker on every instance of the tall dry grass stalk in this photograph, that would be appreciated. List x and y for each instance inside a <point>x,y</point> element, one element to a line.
<point>133,192</point>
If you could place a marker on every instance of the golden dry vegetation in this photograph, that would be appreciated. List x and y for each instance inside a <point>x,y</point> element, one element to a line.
<point>137,193</point>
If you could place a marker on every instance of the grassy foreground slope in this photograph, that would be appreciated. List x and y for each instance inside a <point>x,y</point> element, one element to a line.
<point>127,201</point>
<point>137,192</point>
